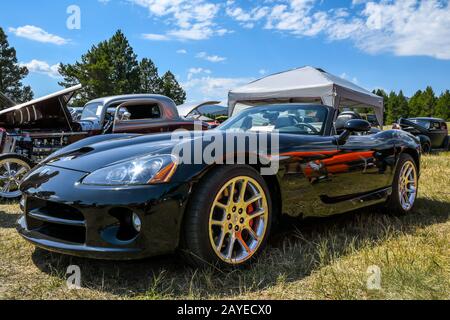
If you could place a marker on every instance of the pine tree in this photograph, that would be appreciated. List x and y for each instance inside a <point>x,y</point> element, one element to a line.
<point>124,65</point>
<point>109,68</point>
<point>382,93</point>
<point>172,88</point>
<point>393,108</point>
<point>442,109</point>
<point>11,74</point>
<point>403,108</point>
<point>150,82</point>
<point>429,102</point>
<point>415,104</point>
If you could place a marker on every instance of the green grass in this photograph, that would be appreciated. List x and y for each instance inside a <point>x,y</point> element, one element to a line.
<point>312,259</point>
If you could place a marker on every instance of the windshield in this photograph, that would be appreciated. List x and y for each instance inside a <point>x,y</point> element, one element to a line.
<point>422,123</point>
<point>292,118</point>
<point>92,111</point>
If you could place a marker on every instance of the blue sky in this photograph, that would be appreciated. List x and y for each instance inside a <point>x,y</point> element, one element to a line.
<point>213,46</point>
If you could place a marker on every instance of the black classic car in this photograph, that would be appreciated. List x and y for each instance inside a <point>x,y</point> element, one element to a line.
<point>131,197</point>
<point>432,132</point>
<point>32,131</point>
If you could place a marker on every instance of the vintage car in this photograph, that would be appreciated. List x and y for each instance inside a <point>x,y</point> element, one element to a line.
<point>432,132</point>
<point>132,197</point>
<point>32,131</point>
<point>210,112</point>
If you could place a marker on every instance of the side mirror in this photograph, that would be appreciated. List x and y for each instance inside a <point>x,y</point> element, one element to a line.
<point>352,126</point>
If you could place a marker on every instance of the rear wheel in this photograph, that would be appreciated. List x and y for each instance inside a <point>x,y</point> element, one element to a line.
<point>13,169</point>
<point>405,186</point>
<point>426,148</point>
<point>229,219</point>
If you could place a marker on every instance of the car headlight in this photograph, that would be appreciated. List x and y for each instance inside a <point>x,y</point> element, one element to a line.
<point>139,171</point>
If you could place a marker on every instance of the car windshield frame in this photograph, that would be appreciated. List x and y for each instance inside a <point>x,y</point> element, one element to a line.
<point>92,110</point>
<point>280,108</point>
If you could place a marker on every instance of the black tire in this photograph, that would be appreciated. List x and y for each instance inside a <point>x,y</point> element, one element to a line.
<point>17,160</point>
<point>394,205</point>
<point>446,144</point>
<point>196,248</point>
<point>426,148</point>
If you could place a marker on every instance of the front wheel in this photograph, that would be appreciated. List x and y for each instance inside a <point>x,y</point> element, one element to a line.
<point>13,169</point>
<point>405,186</point>
<point>228,220</point>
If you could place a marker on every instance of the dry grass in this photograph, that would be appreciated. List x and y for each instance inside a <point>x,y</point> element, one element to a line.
<point>313,259</point>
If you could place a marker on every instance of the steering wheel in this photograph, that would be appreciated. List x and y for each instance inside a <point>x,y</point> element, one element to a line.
<point>307,125</point>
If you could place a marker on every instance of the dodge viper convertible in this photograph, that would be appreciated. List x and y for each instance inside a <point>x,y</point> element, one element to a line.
<point>129,197</point>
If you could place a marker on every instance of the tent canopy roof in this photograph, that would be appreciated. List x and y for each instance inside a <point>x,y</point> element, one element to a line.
<point>306,84</point>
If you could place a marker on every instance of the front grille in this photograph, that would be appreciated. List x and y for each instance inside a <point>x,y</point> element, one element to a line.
<point>55,220</point>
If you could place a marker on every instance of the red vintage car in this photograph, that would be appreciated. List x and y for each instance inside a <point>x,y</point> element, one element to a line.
<point>32,131</point>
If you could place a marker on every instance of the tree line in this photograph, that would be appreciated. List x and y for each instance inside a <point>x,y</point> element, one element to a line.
<point>422,104</point>
<point>111,68</point>
<point>108,68</point>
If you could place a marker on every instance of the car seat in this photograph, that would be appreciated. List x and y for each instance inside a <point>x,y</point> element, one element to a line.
<point>343,118</point>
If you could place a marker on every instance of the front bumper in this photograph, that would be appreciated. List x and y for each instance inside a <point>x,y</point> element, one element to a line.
<point>64,216</point>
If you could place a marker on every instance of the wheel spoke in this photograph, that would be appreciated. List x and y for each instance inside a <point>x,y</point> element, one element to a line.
<point>231,246</point>
<point>221,240</point>
<point>252,233</point>
<point>253,200</point>
<point>231,197</point>
<point>217,223</point>
<point>244,245</point>
<point>7,166</point>
<point>257,214</point>
<point>243,190</point>
<point>21,171</point>
<point>6,187</point>
<point>221,206</point>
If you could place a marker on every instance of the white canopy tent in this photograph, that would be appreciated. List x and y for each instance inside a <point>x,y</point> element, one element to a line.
<point>305,84</point>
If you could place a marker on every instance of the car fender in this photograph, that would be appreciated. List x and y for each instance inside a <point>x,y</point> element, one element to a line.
<point>424,139</point>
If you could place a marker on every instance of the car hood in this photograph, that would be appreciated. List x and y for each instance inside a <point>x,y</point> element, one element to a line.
<point>103,154</point>
<point>49,112</point>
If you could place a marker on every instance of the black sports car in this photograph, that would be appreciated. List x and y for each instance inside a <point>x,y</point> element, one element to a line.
<point>432,132</point>
<point>128,197</point>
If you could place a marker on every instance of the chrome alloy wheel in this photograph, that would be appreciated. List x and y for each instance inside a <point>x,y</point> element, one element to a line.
<point>408,183</point>
<point>12,172</point>
<point>238,220</point>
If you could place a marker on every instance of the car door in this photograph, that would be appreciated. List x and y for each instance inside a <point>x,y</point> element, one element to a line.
<point>322,178</point>
<point>437,133</point>
<point>365,163</point>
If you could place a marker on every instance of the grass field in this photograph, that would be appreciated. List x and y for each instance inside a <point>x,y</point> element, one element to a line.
<point>313,259</point>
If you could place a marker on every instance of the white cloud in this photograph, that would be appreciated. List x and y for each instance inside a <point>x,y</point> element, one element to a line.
<point>346,77</point>
<point>210,58</point>
<point>42,67</point>
<point>104,1</point>
<point>182,51</point>
<point>195,71</point>
<point>37,34</point>
<point>188,19</point>
<point>401,27</point>
<point>212,88</point>
<point>155,37</point>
